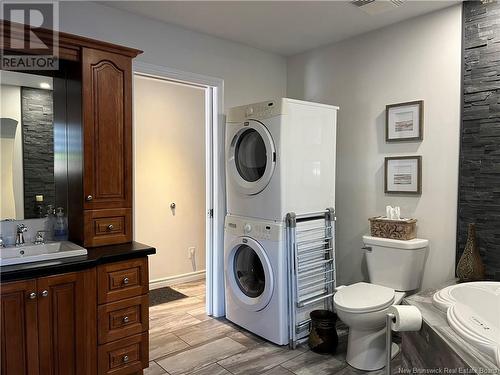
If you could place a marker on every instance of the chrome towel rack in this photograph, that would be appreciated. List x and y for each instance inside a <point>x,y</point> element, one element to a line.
<point>310,241</point>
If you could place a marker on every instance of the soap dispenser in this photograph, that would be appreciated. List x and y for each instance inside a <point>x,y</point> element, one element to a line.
<point>60,226</point>
<point>50,222</point>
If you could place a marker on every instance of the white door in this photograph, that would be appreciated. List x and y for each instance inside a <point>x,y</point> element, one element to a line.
<point>251,158</point>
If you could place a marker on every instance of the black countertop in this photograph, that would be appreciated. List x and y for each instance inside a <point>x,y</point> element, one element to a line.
<point>95,256</point>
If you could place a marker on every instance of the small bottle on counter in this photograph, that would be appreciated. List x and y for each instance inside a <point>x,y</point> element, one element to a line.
<point>60,226</point>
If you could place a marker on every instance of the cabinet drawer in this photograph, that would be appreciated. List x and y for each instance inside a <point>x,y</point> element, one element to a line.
<point>123,318</point>
<point>107,227</point>
<point>124,357</point>
<point>121,280</point>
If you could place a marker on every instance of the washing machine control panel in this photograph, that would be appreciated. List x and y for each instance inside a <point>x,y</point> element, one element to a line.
<point>255,229</point>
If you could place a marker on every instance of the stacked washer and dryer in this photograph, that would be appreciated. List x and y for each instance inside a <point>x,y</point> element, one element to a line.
<point>280,158</point>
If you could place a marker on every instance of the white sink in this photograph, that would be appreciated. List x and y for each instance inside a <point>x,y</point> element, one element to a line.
<point>473,311</point>
<point>37,253</point>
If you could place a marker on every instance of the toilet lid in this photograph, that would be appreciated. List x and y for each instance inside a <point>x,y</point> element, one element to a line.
<point>363,297</point>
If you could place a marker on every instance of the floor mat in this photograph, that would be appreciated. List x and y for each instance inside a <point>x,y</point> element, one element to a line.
<point>164,295</point>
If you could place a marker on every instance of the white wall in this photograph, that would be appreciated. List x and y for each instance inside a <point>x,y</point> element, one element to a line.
<point>11,188</point>
<point>416,59</point>
<point>169,166</point>
<point>249,74</point>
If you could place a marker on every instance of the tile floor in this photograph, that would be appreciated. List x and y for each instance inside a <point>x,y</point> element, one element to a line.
<point>183,340</point>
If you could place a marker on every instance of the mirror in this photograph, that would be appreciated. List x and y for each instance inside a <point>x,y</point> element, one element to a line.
<point>31,142</point>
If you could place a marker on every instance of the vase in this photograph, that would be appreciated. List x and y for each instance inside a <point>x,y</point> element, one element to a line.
<point>470,266</point>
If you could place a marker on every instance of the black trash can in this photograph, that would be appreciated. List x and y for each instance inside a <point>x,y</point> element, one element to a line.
<point>323,337</point>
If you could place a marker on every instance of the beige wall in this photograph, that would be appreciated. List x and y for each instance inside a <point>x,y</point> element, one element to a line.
<point>416,59</point>
<point>11,148</point>
<point>169,166</point>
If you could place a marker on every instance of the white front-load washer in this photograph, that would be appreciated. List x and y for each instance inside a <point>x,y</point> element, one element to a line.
<point>280,157</point>
<point>256,277</point>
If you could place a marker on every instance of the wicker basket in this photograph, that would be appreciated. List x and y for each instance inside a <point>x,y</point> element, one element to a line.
<point>404,229</point>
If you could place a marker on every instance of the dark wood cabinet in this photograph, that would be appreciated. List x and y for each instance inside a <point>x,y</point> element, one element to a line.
<point>107,147</point>
<point>49,325</point>
<point>123,317</point>
<point>66,320</point>
<point>19,330</point>
<point>107,129</point>
<point>107,226</point>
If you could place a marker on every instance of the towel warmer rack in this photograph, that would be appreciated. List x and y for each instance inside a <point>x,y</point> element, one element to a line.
<point>310,242</point>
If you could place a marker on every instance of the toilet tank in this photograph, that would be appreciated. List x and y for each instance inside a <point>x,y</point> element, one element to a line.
<point>394,263</point>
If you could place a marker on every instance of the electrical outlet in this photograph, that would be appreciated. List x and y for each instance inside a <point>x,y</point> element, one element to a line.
<point>191,252</point>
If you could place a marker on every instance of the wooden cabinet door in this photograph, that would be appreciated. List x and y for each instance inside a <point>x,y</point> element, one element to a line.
<point>67,323</point>
<point>107,129</point>
<point>19,338</point>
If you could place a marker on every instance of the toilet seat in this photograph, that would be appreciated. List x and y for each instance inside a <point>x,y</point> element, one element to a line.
<point>363,298</point>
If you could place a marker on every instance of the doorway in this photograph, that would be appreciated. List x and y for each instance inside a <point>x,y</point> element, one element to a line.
<point>179,201</point>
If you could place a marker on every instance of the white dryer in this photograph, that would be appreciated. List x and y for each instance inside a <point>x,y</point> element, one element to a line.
<point>280,157</point>
<point>256,277</point>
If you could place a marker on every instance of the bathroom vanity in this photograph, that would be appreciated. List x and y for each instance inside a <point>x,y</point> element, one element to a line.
<point>85,314</point>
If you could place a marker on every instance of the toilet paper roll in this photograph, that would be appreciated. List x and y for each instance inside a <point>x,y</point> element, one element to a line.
<point>406,318</point>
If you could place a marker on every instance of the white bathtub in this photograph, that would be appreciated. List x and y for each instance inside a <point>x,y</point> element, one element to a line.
<point>473,311</point>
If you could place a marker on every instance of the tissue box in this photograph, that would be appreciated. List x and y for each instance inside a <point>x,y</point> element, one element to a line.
<point>403,229</point>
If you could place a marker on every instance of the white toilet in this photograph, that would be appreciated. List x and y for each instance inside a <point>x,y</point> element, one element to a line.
<point>394,267</point>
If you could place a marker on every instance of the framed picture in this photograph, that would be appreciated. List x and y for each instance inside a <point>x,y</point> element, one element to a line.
<point>404,121</point>
<point>403,175</point>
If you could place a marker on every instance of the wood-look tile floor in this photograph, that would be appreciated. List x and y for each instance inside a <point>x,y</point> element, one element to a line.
<point>184,340</point>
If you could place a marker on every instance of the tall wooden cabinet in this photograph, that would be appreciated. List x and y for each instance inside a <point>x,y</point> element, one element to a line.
<point>107,143</point>
<point>48,325</point>
<point>107,127</point>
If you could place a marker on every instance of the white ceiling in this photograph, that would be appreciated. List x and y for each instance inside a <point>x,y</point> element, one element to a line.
<point>283,27</point>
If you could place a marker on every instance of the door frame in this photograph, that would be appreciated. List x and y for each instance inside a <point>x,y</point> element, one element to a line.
<point>215,176</point>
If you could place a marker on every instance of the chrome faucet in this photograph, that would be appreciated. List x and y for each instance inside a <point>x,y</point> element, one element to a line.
<point>21,228</point>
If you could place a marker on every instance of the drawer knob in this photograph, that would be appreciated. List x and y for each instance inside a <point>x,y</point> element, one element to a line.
<point>89,198</point>
<point>45,293</point>
<point>125,280</point>
<point>32,295</point>
<point>125,358</point>
<point>126,319</point>
<point>110,227</point>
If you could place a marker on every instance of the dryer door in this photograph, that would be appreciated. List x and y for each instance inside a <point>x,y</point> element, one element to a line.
<point>249,274</point>
<point>251,158</point>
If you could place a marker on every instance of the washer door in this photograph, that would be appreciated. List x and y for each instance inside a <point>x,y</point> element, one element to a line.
<point>251,158</point>
<point>249,274</point>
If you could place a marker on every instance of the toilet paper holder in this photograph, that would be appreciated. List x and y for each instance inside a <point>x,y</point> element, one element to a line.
<point>389,319</point>
<point>395,318</point>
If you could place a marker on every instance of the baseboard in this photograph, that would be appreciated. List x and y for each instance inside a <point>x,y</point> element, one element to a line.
<point>177,279</point>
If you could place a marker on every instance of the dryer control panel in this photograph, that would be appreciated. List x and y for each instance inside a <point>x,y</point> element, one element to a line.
<point>257,111</point>
<point>257,229</point>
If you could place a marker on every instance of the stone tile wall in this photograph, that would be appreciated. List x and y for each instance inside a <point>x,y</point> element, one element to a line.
<point>38,143</point>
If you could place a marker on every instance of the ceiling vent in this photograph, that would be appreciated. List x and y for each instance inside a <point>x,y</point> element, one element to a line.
<point>373,7</point>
